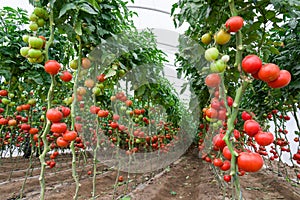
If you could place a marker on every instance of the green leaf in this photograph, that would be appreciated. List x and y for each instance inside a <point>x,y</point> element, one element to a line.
<point>78,29</point>
<point>65,8</point>
<point>110,73</point>
<point>87,8</point>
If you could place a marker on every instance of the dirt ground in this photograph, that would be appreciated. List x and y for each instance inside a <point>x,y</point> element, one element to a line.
<point>188,179</point>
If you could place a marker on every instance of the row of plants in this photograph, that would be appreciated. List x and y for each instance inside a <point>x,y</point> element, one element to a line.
<point>245,76</point>
<point>61,71</point>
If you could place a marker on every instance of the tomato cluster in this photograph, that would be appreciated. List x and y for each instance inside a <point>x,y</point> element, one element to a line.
<point>269,73</point>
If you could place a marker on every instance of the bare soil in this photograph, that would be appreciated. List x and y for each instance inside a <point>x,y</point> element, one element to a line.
<point>188,179</point>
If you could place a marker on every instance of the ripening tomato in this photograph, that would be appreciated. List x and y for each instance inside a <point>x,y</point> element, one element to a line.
<point>128,103</point>
<point>61,142</point>
<point>66,76</point>
<point>52,67</point>
<point>269,72</point>
<point>86,63</point>
<point>12,122</point>
<point>282,81</point>
<point>234,24</point>
<point>251,64</point>
<point>69,135</point>
<point>251,127</point>
<point>213,80</point>
<point>222,37</point>
<point>54,115</point>
<point>250,162</point>
<point>264,138</point>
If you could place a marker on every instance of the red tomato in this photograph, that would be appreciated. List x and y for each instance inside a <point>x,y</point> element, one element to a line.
<point>269,72</point>
<point>61,142</point>
<point>66,76</point>
<point>58,127</point>
<point>25,106</point>
<point>103,113</point>
<point>101,78</point>
<point>94,109</point>
<point>120,179</point>
<point>282,81</point>
<point>251,64</point>
<point>52,67</point>
<point>264,138</point>
<point>225,166</point>
<point>114,125</point>
<point>227,178</point>
<point>249,161</point>
<point>213,80</point>
<point>3,93</point>
<point>70,135</point>
<point>246,116</point>
<point>54,115</point>
<point>236,134</point>
<point>234,24</point>
<point>251,127</point>
<point>226,153</point>
<point>211,113</point>
<point>33,131</point>
<point>65,111</point>
<point>217,162</point>
<point>218,141</point>
<point>229,101</point>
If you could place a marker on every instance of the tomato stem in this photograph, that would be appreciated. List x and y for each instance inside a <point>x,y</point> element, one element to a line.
<point>73,116</point>
<point>48,123</point>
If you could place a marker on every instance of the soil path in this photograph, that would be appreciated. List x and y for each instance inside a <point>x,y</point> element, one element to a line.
<point>188,179</point>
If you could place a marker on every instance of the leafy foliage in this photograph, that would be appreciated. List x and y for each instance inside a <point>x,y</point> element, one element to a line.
<point>268,25</point>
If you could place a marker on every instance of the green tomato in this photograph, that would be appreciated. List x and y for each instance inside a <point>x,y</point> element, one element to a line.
<point>33,26</point>
<point>74,64</point>
<point>31,101</point>
<point>25,38</point>
<point>211,54</point>
<point>40,59</point>
<point>11,95</point>
<point>218,66</point>
<point>137,141</point>
<point>40,12</point>
<point>33,17</point>
<point>40,22</point>
<point>35,42</point>
<point>96,91</point>
<point>12,104</point>
<point>5,101</point>
<point>24,51</point>
<point>34,53</point>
